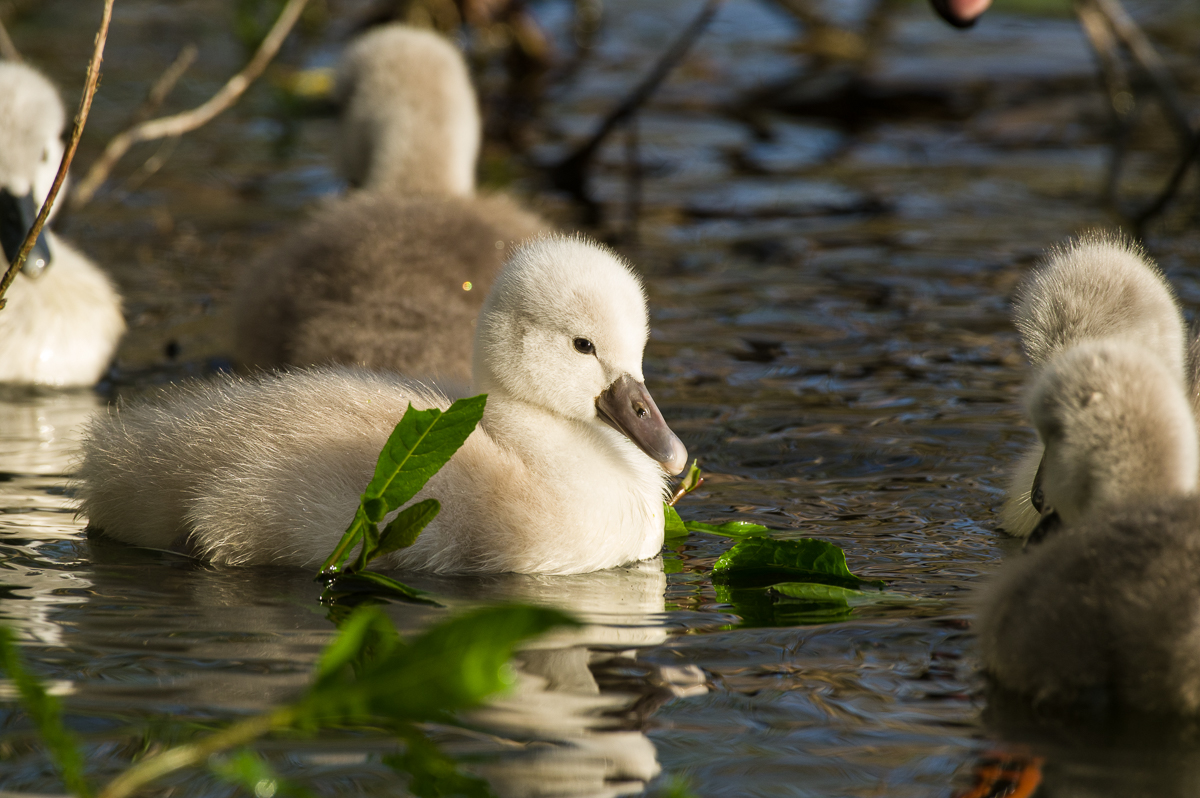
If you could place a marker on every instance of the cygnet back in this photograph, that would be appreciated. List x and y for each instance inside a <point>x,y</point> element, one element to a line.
<point>1104,614</point>
<point>410,121</point>
<point>1100,285</point>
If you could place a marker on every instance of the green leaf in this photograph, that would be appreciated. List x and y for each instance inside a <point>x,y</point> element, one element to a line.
<point>400,533</point>
<point>692,479</point>
<point>814,593</point>
<point>763,561</point>
<point>672,565</point>
<point>374,583</point>
<point>251,772</point>
<point>46,713</point>
<point>433,774</point>
<point>455,665</point>
<point>673,526</point>
<point>729,529</point>
<point>422,443</point>
<point>403,530</point>
<point>418,447</point>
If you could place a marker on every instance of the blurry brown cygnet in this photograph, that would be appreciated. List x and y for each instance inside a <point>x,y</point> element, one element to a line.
<point>393,275</point>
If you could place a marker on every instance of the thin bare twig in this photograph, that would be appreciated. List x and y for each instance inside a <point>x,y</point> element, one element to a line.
<point>165,83</point>
<point>178,124</point>
<point>571,173</point>
<point>8,50</point>
<point>85,105</point>
<point>1106,22</point>
<point>1117,85</point>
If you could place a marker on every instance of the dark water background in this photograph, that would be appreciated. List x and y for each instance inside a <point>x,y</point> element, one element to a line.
<point>830,297</point>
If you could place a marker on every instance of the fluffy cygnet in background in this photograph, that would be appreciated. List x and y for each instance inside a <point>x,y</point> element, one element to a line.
<point>393,275</point>
<point>63,319</point>
<point>1095,287</point>
<point>1106,611</point>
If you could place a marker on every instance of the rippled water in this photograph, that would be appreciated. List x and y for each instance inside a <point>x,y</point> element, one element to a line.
<point>831,339</point>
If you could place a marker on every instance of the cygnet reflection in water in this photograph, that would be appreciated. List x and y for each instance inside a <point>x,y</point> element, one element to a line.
<point>565,474</point>
<point>1098,286</point>
<point>238,640</point>
<point>393,275</point>
<point>1105,612</point>
<point>63,318</point>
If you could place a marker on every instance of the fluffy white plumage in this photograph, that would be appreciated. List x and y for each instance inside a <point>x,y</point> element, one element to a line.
<point>269,470</point>
<point>62,327</point>
<point>1095,287</point>
<point>1104,612</point>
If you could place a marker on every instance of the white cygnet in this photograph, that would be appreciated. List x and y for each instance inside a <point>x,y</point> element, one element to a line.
<point>1100,285</point>
<point>565,474</point>
<point>63,318</point>
<point>393,275</point>
<point>1105,610</point>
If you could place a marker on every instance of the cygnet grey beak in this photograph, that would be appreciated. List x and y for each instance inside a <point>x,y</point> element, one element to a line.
<point>17,215</point>
<point>627,407</point>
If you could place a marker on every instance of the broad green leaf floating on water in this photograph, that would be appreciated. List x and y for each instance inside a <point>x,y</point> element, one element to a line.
<point>815,593</point>
<point>729,529</point>
<point>673,526</point>
<point>759,561</point>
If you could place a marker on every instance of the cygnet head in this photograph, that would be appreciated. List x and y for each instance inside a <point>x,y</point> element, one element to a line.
<point>31,148</point>
<point>410,119</point>
<point>1116,427</point>
<point>564,328</point>
<point>1100,285</point>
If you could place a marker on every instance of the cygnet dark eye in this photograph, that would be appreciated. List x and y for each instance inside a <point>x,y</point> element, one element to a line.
<point>584,347</point>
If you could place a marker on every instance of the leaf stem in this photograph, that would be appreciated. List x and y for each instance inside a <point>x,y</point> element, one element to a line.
<point>197,753</point>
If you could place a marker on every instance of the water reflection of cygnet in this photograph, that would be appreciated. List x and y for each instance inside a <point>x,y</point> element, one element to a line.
<point>162,632</point>
<point>40,431</point>
<point>576,738</point>
<point>39,436</point>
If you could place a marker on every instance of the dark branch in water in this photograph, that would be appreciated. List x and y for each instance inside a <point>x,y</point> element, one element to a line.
<point>1171,188</point>
<point>1109,27</point>
<point>178,124</point>
<point>571,174</point>
<point>85,105</point>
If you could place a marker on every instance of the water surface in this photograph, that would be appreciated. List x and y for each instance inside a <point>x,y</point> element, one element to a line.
<point>831,339</point>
